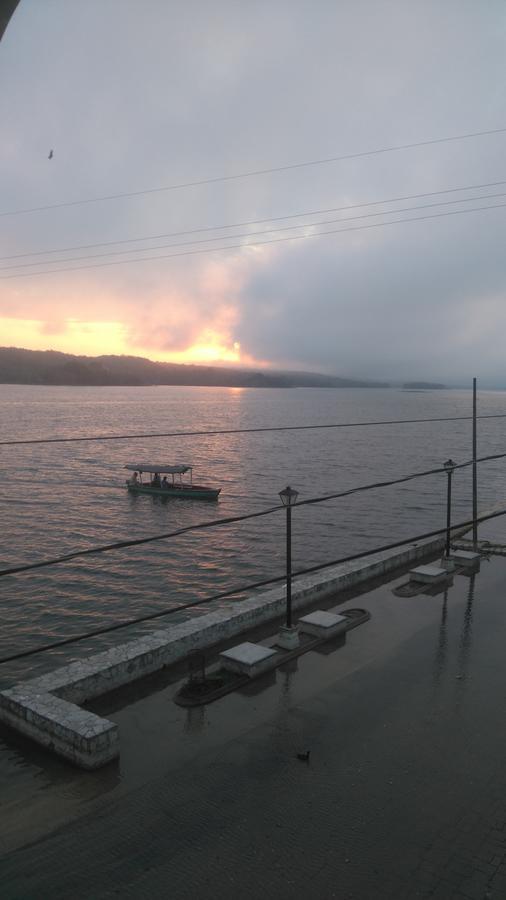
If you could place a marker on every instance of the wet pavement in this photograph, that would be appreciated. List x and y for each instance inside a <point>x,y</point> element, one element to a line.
<point>403,795</point>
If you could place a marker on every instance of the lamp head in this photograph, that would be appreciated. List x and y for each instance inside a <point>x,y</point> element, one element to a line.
<point>288,496</point>
<point>449,465</point>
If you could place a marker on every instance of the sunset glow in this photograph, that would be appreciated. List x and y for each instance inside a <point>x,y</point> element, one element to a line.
<point>204,353</point>
<point>68,336</point>
<point>210,347</point>
<point>112,338</point>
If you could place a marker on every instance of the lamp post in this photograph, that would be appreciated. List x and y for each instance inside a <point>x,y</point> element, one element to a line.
<point>449,467</point>
<point>475,475</point>
<point>288,637</point>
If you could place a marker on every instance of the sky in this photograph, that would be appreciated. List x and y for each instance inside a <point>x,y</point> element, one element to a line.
<point>135,97</point>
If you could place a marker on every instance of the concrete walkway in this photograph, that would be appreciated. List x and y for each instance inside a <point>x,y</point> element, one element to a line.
<point>404,795</point>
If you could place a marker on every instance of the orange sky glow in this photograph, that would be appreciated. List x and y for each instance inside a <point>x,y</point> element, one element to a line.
<point>100,338</point>
<point>195,318</point>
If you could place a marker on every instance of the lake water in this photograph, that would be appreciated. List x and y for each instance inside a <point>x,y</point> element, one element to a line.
<point>62,497</point>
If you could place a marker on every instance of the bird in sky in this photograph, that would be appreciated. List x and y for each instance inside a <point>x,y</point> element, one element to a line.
<point>50,154</point>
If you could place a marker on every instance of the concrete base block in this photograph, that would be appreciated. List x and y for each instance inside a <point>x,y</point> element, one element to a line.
<point>323,624</point>
<point>448,564</point>
<point>429,574</point>
<point>288,638</point>
<point>248,659</point>
<point>466,558</point>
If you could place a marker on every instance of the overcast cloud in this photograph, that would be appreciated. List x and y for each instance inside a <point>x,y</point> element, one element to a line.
<point>134,96</point>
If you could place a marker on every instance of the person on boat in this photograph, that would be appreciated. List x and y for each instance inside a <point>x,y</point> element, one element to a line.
<point>135,478</point>
<point>165,483</point>
<point>156,480</point>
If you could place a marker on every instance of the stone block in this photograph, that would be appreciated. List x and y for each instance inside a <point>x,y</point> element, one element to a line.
<point>466,558</point>
<point>248,659</point>
<point>429,574</point>
<point>323,624</point>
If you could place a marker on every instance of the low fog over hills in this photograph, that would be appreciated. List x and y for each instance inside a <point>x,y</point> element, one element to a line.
<point>50,367</point>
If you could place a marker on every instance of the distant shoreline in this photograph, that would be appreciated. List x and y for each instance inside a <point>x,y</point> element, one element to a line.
<point>287,387</point>
<point>50,368</point>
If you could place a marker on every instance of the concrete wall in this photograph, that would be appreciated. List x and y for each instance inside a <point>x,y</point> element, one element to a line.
<point>81,737</point>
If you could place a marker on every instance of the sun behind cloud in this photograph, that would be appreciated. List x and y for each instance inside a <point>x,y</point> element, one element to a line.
<point>207,351</point>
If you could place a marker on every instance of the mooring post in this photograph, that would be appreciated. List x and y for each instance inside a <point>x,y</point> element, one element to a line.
<point>475,474</point>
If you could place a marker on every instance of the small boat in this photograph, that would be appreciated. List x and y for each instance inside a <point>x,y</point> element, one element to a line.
<point>163,487</point>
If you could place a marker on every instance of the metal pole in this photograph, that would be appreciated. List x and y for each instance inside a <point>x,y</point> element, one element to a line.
<point>288,567</point>
<point>475,473</point>
<point>448,512</point>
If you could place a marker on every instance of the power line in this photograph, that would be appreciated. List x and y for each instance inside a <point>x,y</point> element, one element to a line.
<point>298,237</point>
<point>404,478</point>
<point>134,542</point>
<point>313,212</point>
<point>247,587</point>
<point>98,631</point>
<point>229,520</point>
<point>251,234</point>
<point>258,430</point>
<point>255,173</point>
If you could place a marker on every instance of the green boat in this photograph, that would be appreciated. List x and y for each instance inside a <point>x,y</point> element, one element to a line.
<point>160,486</point>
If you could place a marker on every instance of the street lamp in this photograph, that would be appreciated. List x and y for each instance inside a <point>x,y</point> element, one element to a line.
<point>449,467</point>
<point>288,637</point>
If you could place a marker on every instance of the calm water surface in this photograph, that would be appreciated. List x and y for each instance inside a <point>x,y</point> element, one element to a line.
<point>63,497</point>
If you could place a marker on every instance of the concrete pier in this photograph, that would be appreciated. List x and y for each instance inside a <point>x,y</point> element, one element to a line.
<point>403,795</point>
<point>46,708</point>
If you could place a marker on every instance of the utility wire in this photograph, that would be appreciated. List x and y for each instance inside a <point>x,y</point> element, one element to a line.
<point>135,542</point>
<point>242,246</point>
<point>261,429</point>
<point>247,587</point>
<point>251,234</point>
<point>256,173</point>
<point>380,484</point>
<point>229,520</point>
<point>312,212</point>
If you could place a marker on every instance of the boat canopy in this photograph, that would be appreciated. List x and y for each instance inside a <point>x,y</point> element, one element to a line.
<point>161,469</point>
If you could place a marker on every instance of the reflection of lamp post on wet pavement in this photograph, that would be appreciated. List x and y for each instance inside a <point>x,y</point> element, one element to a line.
<point>288,634</point>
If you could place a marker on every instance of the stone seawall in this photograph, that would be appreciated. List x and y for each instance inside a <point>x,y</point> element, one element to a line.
<point>46,708</point>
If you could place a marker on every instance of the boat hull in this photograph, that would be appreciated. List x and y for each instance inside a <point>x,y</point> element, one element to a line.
<point>175,492</point>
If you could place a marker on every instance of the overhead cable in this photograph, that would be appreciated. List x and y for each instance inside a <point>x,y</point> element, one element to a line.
<point>242,246</point>
<point>134,542</point>
<point>256,172</point>
<point>247,587</point>
<point>229,520</point>
<point>258,430</point>
<point>251,234</point>
<point>312,212</point>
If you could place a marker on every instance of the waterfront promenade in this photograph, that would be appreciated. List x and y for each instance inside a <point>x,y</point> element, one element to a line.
<point>403,795</point>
